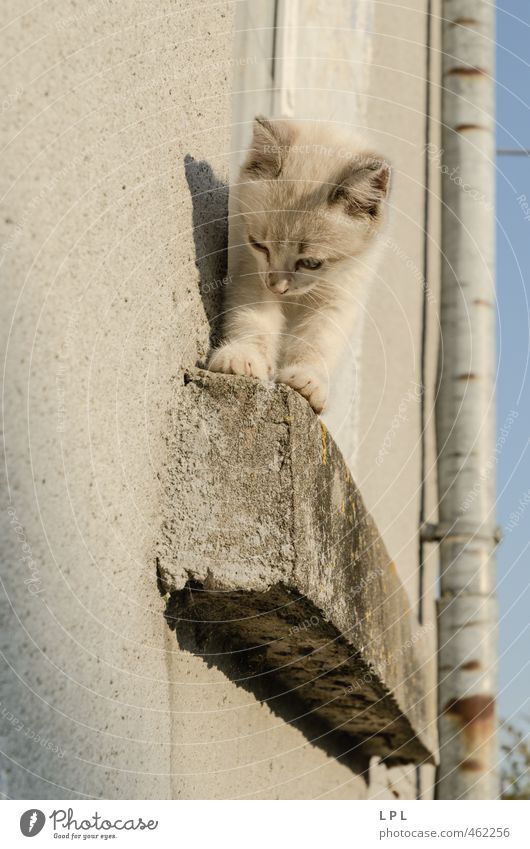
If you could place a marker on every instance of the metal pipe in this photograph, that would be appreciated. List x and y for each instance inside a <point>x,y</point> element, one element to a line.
<point>465,416</point>
<point>284,68</point>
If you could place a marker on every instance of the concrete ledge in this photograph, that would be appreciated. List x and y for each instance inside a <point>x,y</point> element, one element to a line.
<point>268,551</point>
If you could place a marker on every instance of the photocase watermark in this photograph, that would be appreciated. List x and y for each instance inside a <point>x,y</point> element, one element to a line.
<point>409,263</point>
<point>305,625</point>
<point>369,677</point>
<point>214,285</point>
<point>516,515</point>
<point>492,462</point>
<point>47,189</point>
<point>66,820</point>
<point>525,206</point>
<point>32,822</point>
<point>313,621</point>
<point>232,61</point>
<point>413,395</point>
<point>67,824</point>
<point>389,244</point>
<point>327,152</point>
<point>372,576</point>
<point>9,101</point>
<point>13,720</point>
<point>62,368</point>
<point>33,580</point>
<point>435,155</point>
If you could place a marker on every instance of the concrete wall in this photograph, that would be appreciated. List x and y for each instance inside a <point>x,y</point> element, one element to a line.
<point>101,306</point>
<point>117,124</point>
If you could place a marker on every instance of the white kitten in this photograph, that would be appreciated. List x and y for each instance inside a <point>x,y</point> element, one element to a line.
<point>305,244</point>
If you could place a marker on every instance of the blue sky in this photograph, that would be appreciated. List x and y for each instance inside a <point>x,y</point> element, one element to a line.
<point>513,388</point>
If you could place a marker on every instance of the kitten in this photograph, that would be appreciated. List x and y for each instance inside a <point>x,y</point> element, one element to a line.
<point>310,208</point>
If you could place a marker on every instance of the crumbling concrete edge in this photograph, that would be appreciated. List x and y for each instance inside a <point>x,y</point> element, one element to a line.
<point>385,713</point>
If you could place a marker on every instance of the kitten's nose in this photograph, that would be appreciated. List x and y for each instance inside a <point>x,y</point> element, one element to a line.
<point>279,281</point>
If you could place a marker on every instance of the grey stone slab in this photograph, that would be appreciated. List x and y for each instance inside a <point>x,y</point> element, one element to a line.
<point>268,551</point>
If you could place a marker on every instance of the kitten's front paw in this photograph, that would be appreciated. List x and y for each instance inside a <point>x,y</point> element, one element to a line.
<point>238,358</point>
<point>308,382</point>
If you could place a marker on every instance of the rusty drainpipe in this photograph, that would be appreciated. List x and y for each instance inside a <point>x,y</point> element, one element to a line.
<point>465,414</point>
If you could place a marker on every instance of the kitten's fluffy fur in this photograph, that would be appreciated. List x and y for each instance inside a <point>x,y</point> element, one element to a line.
<point>311,206</point>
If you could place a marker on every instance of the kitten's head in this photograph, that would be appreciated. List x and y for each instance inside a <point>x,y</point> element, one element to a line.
<point>310,201</point>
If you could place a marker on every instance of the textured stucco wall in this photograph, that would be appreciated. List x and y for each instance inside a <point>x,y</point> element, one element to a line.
<point>101,304</point>
<point>114,116</point>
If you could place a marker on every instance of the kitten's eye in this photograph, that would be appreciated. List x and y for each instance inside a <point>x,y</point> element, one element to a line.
<point>258,246</point>
<point>312,264</point>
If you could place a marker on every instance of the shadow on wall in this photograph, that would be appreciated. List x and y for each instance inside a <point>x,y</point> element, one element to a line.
<point>241,665</point>
<point>209,197</point>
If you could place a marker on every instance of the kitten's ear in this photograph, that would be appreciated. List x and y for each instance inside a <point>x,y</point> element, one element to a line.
<point>362,186</point>
<point>270,143</point>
